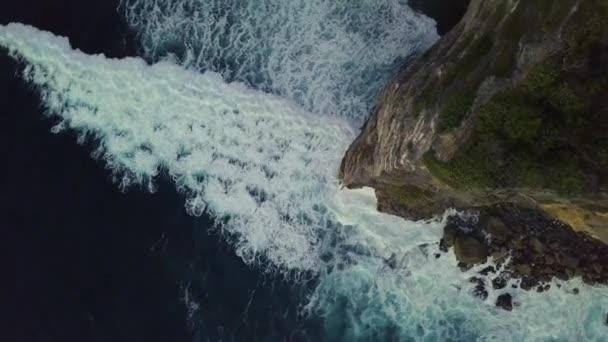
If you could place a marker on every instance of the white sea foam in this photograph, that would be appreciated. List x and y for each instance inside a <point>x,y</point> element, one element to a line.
<point>254,161</point>
<point>330,56</point>
<point>267,171</point>
<point>425,298</point>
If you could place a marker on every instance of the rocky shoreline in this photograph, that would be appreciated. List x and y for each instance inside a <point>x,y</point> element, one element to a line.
<point>505,117</point>
<point>526,245</point>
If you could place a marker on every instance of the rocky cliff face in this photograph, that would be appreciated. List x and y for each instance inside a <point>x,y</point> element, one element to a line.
<point>510,106</point>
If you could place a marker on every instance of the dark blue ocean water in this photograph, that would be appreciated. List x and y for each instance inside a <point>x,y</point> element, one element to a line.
<point>83,261</point>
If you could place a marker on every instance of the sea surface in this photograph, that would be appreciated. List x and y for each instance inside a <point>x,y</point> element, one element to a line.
<point>85,261</point>
<point>189,192</point>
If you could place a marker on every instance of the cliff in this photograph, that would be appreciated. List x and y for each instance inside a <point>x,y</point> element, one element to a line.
<point>510,106</point>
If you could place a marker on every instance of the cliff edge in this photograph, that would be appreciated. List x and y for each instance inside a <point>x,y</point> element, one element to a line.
<point>510,106</point>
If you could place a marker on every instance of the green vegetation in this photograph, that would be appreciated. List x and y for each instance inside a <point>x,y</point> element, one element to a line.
<point>504,61</point>
<point>550,130</point>
<point>408,195</point>
<point>455,109</point>
<point>494,52</point>
<point>463,173</point>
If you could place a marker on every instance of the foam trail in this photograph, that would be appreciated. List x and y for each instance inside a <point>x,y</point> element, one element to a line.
<point>330,56</point>
<point>267,170</point>
<point>256,162</point>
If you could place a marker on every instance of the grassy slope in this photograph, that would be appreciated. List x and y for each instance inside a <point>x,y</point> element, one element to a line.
<point>550,131</point>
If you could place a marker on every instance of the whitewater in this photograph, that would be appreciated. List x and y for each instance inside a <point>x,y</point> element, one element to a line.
<point>248,106</point>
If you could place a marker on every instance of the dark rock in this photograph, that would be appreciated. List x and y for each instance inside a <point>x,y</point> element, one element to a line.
<point>469,250</point>
<point>538,246</point>
<point>450,231</point>
<point>527,283</point>
<point>570,261</point>
<point>437,255</point>
<point>424,249</point>
<point>597,268</point>
<point>575,290</point>
<point>523,269</point>
<point>529,246</point>
<point>500,255</point>
<point>505,302</point>
<point>496,228</point>
<point>480,289</point>
<point>500,282</point>
<point>391,261</point>
<point>443,246</point>
<point>464,267</point>
<point>480,292</point>
<point>488,270</point>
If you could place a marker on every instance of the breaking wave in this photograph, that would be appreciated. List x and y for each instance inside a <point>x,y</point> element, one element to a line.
<point>265,166</point>
<point>330,56</point>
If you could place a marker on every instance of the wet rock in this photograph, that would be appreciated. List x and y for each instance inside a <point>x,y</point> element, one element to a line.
<point>464,267</point>
<point>500,282</point>
<point>449,234</point>
<point>570,261</point>
<point>505,302</point>
<point>575,290</point>
<point>480,292</point>
<point>391,261</point>
<point>480,288</point>
<point>597,268</point>
<point>495,227</point>
<point>488,270</point>
<point>538,246</point>
<point>528,283</point>
<point>500,255</point>
<point>527,246</point>
<point>523,269</point>
<point>424,249</point>
<point>469,250</point>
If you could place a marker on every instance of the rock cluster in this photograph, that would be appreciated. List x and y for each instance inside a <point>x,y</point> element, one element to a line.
<point>530,246</point>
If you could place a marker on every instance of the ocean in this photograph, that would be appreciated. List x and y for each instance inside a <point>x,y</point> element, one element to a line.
<point>87,262</point>
<point>190,192</point>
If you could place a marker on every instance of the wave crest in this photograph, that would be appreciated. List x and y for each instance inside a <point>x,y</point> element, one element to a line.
<point>330,56</point>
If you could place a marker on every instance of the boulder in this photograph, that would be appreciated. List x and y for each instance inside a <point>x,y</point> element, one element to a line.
<point>500,282</point>
<point>450,231</point>
<point>505,302</point>
<point>538,246</point>
<point>480,288</point>
<point>496,228</point>
<point>469,250</point>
